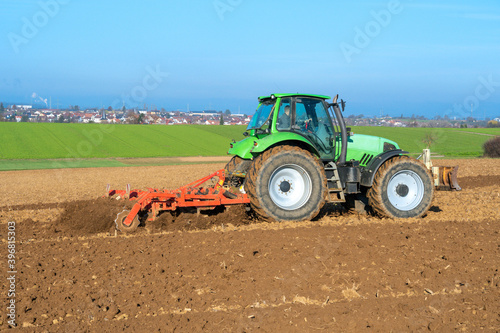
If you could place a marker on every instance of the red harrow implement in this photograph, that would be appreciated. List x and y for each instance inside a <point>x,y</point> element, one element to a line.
<point>196,194</point>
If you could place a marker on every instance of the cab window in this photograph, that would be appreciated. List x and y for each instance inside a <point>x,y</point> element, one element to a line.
<point>312,121</point>
<point>284,119</point>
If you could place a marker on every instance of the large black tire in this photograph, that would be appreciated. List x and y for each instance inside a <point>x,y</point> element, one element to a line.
<point>402,188</point>
<point>286,183</point>
<point>233,163</point>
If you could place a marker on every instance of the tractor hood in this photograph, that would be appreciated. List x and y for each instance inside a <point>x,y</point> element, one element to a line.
<point>361,147</point>
<point>364,148</point>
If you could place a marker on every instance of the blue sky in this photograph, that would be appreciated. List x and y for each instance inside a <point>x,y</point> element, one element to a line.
<point>395,57</point>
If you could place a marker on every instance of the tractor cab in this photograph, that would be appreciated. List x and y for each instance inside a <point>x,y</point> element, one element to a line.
<point>309,122</point>
<point>301,118</point>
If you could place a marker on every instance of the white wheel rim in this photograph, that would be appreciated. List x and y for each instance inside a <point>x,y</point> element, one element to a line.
<point>405,190</point>
<point>290,187</point>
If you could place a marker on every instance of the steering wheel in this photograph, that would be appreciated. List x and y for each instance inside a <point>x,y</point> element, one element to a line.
<point>308,125</point>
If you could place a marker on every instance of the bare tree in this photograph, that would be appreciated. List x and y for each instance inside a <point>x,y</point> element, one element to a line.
<point>429,139</point>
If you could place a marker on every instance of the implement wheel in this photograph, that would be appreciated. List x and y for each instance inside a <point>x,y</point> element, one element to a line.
<point>402,188</point>
<point>120,218</point>
<point>286,183</point>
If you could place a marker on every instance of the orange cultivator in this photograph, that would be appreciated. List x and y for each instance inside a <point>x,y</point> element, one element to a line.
<point>195,194</point>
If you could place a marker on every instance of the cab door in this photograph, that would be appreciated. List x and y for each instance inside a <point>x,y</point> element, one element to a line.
<point>311,119</point>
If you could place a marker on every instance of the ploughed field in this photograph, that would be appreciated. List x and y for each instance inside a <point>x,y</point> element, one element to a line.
<point>226,272</point>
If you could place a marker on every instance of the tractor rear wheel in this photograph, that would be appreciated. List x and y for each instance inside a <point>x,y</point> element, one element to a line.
<point>286,183</point>
<point>402,188</point>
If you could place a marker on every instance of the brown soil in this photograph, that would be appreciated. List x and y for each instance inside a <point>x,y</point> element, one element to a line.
<point>191,220</point>
<point>479,181</point>
<point>223,271</point>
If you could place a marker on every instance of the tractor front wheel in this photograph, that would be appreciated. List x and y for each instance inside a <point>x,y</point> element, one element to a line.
<point>402,188</point>
<point>286,183</point>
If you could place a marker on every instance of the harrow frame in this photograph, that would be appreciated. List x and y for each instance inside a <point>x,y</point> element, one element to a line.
<point>193,194</point>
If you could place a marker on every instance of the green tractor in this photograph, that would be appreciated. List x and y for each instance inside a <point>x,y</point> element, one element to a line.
<point>297,155</point>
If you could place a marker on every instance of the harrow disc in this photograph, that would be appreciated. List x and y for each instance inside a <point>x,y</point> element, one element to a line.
<point>120,219</point>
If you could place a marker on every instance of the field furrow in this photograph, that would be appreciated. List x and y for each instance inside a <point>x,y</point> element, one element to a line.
<point>227,272</point>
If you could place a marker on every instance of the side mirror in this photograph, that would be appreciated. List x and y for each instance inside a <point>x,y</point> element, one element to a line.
<point>342,104</point>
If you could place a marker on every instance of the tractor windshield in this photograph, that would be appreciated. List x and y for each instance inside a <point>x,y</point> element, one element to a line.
<point>261,116</point>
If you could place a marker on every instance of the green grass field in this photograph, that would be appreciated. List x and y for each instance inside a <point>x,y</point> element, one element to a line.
<point>46,145</point>
<point>53,141</point>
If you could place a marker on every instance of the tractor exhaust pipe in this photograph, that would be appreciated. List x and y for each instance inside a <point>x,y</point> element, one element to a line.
<point>343,131</point>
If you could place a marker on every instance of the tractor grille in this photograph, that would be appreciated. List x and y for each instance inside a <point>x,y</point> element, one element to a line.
<point>366,159</point>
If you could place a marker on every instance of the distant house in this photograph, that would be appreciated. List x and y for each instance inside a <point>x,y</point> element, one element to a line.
<point>177,121</point>
<point>203,113</point>
<point>88,117</point>
<point>24,107</point>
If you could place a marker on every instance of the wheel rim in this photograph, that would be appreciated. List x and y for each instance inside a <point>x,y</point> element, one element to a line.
<point>290,187</point>
<point>405,190</point>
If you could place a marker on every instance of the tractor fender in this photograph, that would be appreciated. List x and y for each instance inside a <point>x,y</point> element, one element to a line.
<point>368,173</point>
<point>282,138</point>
